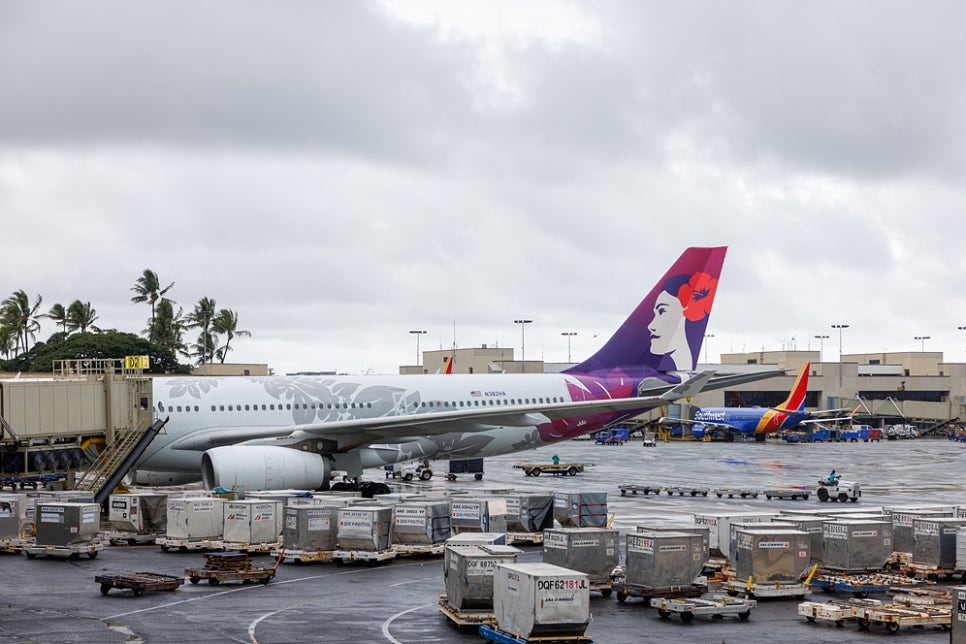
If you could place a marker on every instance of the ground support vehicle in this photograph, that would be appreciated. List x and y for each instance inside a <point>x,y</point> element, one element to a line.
<point>15,545</point>
<point>838,491</point>
<point>536,538</point>
<point>557,469</point>
<point>794,493</point>
<point>894,617</point>
<point>303,556</point>
<point>633,488</point>
<point>465,618</point>
<point>184,545</point>
<point>138,582</point>
<point>421,549</point>
<point>932,573</point>
<point>257,548</point>
<point>73,551</point>
<point>766,590</point>
<point>422,471</point>
<point>732,492</point>
<point>128,538</point>
<point>472,466</point>
<point>687,491</point>
<point>863,585</point>
<point>493,634</point>
<point>924,597</point>
<point>605,588</point>
<point>649,441</point>
<point>370,557</point>
<point>648,593</point>
<point>717,606</point>
<point>839,611</point>
<point>223,567</point>
<point>23,482</point>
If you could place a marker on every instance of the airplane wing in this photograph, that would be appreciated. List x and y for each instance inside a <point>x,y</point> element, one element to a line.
<point>360,431</point>
<point>668,420</point>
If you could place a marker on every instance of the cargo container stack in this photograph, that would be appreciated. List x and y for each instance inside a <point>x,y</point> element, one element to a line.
<point>138,517</point>
<point>310,527</point>
<point>194,522</point>
<point>902,524</point>
<point>529,513</point>
<point>813,526</point>
<point>581,509</point>
<point>719,527</point>
<point>64,529</point>
<point>658,560</point>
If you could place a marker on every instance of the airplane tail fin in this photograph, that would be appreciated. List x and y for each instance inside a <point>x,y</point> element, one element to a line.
<point>666,330</point>
<point>448,368</point>
<point>796,397</point>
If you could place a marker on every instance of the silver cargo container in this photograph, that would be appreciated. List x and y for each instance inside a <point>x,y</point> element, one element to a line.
<point>195,518</point>
<point>902,524</point>
<point>735,526</point>
<point>537,600</point>
<point>719,527</point>
<point>580,509</point>
<point>770,554</point>
<point>851,545</point>
<point>140,512</point>
<point>813,526</point>
<point>701,552</point>
<point>11,515</point>
<point>473,539</point>
<point>660,559</point>
<point>529,512</point>
<point>593,551</point>
<point>961,550</point>
<point>310,526</point>
<point>469,574</point>
<point>364,527</point>
<point>934,541</point>
<point>422,522</point>
<point>252,521</point>
<point>65,524</point>
<point>478,515</point>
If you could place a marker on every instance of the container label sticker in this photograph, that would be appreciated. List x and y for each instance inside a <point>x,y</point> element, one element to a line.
<point>203,507</point>
<point>777,545</point>
<point>672,548</point>
<point>50,517</point>
<point>466,511</point>
<point>554,540</point>
<point>291,522</point>
<point>316,524</point>
<point>89,517</point>
<point>176,506</point>
<point>237,516</point>
<point>585,543</point>
<point>865,533</point>
<point>803,554</point>
<point>637,544</point>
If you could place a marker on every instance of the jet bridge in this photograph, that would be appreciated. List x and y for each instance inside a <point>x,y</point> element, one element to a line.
<point>59,424</point>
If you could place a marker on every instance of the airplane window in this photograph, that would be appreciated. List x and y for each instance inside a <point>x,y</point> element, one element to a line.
<point>230,408</point>
<point>288,406</point>
<point>179,407</point>
<point>461,403</point>
<point>213,408</point>
<point>246,408</point>
<point>476,402</point>
<point>221,408</point>
<point>369,405</point>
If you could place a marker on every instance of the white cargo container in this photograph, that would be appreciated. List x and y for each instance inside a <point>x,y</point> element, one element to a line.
<point>532,600</point>
<point>422,522</point>
<point>661,559</point>
<point>478,515</point>
<point>66,524</point>
<point>934,541</point>
<point>469,574</point>
<point>141,512</point>
<point>902,524</point>
<point>364,527</point>
<point>737,526</point>
<point>11,516</point>
<point>195,518</point>
<point>252,521</point>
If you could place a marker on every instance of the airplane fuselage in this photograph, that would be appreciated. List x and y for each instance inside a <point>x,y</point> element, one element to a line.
<point>748,420</point>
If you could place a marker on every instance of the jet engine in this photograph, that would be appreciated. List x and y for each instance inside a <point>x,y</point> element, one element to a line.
<point>254,467</point>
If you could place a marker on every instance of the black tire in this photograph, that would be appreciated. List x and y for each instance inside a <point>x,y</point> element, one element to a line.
<point>809,618</point>
<point>265,580</point>
<point>843,497</point>
<point>194,580</point>
<point>92,555</point>
<point>854,499</point>
<point>687,617</point>
<point>408,476</point>
<point>863,623</point>
<point>621,596</point>
<point>164,547</point>
<point>606,592</point>
<point>478,476</point>
<point>719,494</point>
<point>892,627</point>
<point>745,615</point>
<point>805,496</point>
<point>213,581</point>
<point>137,591</point>
<point>425,475</point>
<point>572,471</point>
<point>664,614</point>
<point>535,471</point>
<point>31,555</point>
<point>822,494</point>
<point>105,588</point>
<point>768,496</point>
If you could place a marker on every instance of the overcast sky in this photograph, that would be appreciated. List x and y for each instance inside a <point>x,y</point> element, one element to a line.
<point>340,173</point>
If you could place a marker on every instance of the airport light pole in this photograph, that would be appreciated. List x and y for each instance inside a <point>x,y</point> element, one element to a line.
<point>568,334</point>
<point>840,327</point>
<point>821,345</point>
<point>707,336</point>
<point>417,334</point>
<point>523,344</point>
<point>922,342</point>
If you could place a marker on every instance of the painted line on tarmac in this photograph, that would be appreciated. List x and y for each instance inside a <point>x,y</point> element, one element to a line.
<point>385,624</point>
<point>254,624</point>
<point>244,588</point>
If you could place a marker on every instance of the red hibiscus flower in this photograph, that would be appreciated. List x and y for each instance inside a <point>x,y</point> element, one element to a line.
<point>697,296</point>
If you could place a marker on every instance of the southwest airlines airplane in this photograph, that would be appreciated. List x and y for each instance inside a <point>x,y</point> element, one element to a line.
<point>280,432</point>
<point>757,421</point>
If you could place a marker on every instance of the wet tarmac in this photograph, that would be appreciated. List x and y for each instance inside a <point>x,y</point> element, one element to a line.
<point>49,600</point>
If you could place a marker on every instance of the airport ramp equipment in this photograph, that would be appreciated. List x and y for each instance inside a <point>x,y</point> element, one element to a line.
<point>115,462</point>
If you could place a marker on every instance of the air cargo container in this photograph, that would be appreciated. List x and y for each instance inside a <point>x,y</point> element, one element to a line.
<point>593,551</point>
<point>469,574</point>
<point>195,518</point>
<point>364,527</point>
<point>581,509</point>
<point>66,524</point>
<point>540,600</point>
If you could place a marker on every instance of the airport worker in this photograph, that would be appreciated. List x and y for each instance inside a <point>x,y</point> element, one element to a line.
<point>556,459</point>
<point>831,478</point>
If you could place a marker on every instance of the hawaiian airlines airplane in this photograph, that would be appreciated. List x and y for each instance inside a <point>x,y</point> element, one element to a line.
<point>758,421</point>
<point>279,432</point>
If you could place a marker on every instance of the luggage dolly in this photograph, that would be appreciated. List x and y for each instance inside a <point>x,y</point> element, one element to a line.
<point>419,549</point>
<point>303,556</point>
<point>128,538</point>
<point>894,617</point>
<point>864,585</point>
<point>91,549</point>
<point>837,611</point>
<point>371,557</point>
<point>230,566</point>
<point>732,492</point>
<point>633,488</point>
<point>493,634</point>
<point>184,545</point>
<point>14,545</point>
<point>766,590</point>
<point>465,618</point>
<point>685,490</point>
<point>262,547</point>
<point>138,582</point>
<point>647,593</point>
<point>536,538</point>
<point>717,606</point>
<point>792,492</point>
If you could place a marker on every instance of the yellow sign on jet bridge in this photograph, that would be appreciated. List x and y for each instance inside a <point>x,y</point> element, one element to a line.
<point>137,362</point>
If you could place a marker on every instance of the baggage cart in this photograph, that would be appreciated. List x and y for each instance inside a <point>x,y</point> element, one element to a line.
<point>793,493</point>
<point>732,492</point>
<point>73,551</point>
<point>223,567</point>
<point>14,545</point>
<point>303,556</point>
<point>465,618</point>
<point>420,549</point>
<point>925,571</point>
<point>924,597</point>
<point>863,585</point>
<point>766,590</point>
<point>184,545</point>
<point>494,634</point>
<point>557,469</point>
<point>255,548</point>
<point>371,557</point>
<point>648,593</point>
<point>472,466</point>
<point>535,538</point>
<point>894,617</point>
<point>687,491</point>
<point>716,606</point>
<point>128,538</point>
<point>138,582</point>
<point>633,488</point>
<point>837,612</point>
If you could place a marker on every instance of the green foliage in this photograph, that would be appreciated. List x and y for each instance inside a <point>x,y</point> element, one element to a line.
<point>107,344</point>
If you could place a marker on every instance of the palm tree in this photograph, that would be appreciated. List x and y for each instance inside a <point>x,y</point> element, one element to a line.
<point>81,316</point>
<point>169,327</point>
<point>6,340</point>
<point>58,314</point>
<point>226,324</point>
<point>148,289</point>
<point>200,318</point>
<point>21,318</point>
